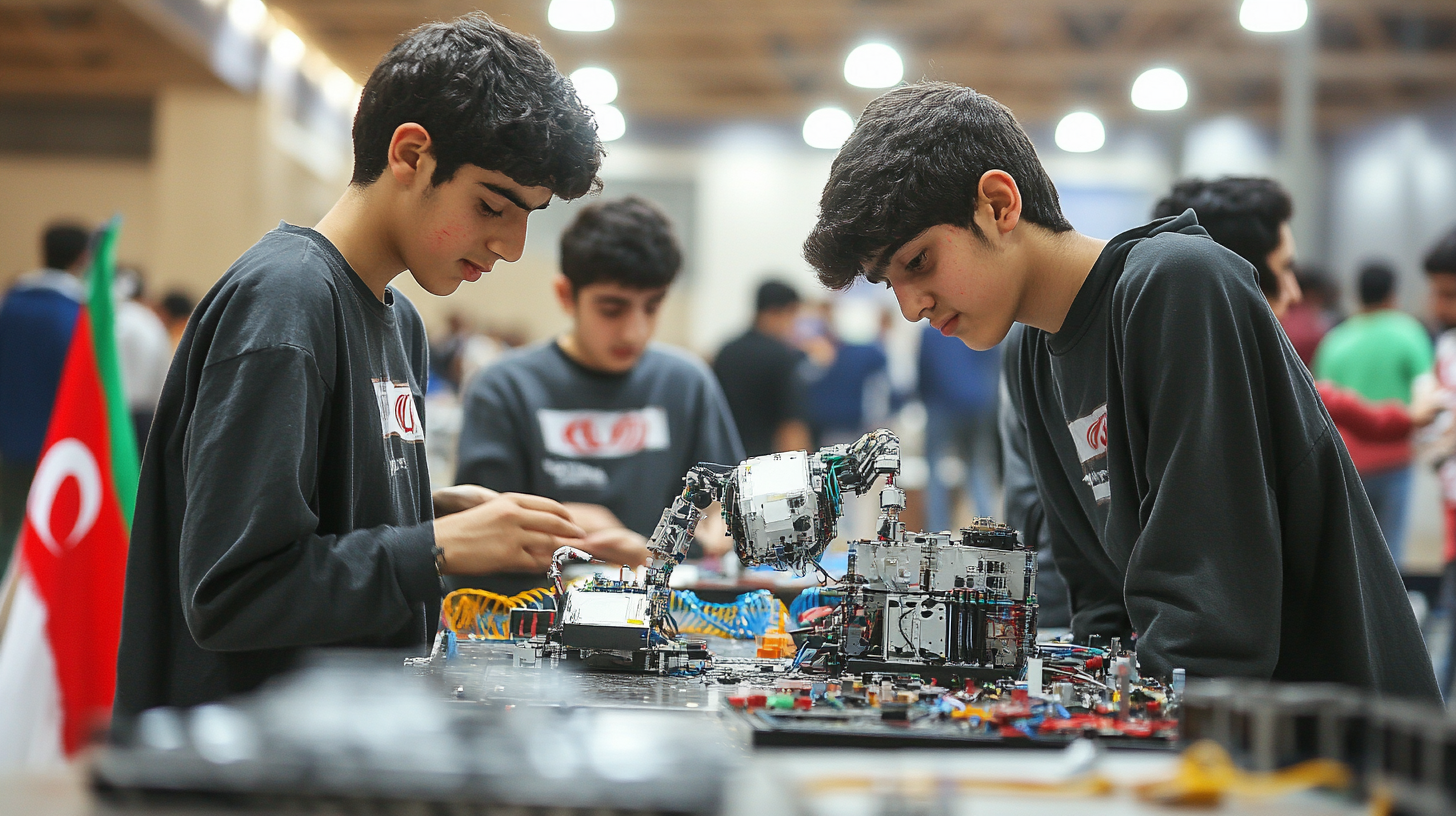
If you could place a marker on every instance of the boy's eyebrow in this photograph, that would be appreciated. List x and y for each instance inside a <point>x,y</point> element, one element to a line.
<point>510,195</point>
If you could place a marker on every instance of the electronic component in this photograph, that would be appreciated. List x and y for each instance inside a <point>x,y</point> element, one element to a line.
<point>782,510</point>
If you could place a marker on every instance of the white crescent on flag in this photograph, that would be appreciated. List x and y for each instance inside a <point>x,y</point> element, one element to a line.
<point>66,458</point>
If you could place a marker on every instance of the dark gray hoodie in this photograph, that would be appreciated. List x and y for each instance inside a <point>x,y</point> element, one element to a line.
<point>1197,490</point>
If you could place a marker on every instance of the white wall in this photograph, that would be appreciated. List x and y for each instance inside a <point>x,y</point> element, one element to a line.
<point>1392,193</point>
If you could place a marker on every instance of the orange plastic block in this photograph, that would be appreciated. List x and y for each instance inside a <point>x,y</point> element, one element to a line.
<point>776,644</point>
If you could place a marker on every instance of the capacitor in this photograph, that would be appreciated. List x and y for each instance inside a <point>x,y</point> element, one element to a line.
<point>1033,676</point>
<point>1124,687</point>
<point>1065,693</point>
<point>1180,681</point>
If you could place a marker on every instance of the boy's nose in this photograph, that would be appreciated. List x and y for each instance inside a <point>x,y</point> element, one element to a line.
<point>510,243</point>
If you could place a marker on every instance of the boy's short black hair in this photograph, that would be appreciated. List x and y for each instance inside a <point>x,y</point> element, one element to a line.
<point>63,244</point>
<point>488,97</point>
<point>628,241</point>
<point>773,295</point>
<point>1376,283</point>
<point>915,161</point>
<point>1242,213</point>
<point>1441,260</point>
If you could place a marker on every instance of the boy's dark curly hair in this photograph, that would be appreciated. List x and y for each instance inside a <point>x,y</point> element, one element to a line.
<point>488,97</point>
<point>628,241</point>
<point>915,161</point>
<point>1242,213</point>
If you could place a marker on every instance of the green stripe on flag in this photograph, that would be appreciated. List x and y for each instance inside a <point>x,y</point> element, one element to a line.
<point>125,467</point>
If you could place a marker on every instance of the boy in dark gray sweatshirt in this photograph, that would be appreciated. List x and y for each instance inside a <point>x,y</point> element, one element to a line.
<point>1201,499</point>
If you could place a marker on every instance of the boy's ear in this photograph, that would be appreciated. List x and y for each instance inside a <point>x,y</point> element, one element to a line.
<point>565,295</point>
<point>410,154</point>
<point>1000,200</point>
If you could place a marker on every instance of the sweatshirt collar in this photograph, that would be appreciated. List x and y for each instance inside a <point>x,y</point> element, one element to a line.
<point>1108,267</point>
<point>384,309</point>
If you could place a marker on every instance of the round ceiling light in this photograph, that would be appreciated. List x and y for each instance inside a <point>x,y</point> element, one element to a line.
<point>1080,132</point>
<point>827,128</point>
<point>611,124</point>
<point>1160,89</point>
<point>581,15</point>
<point>595,86</point>
<point>873,65</point>
<point>1273,16</point>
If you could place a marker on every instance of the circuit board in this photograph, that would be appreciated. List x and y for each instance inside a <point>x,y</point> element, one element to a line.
<point>785,707</point>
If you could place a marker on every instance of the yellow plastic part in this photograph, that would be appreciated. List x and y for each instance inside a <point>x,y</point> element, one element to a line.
<point>1206,775</point>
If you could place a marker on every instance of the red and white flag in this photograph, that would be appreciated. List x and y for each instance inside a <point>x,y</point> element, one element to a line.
<point>58,650</point>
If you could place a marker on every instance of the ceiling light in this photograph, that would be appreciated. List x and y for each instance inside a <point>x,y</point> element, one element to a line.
<point>340,90</point>
<point>827,128</point>
<point>1080,132</point>
<point>581,15</point>
<point>611,124</point>
<point>1160,89</point>
<point>873,65</point>
<point>1272,16</point>
<point>285,48</point>
<point>594,86</point>
<point>247,16</point>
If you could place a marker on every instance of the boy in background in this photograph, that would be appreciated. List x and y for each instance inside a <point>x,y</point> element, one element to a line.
<point>600,418</point>
<point>1198,496</point>
<point>284,500</point>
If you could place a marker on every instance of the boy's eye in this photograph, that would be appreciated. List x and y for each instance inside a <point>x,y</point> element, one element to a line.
<point>916,262</point>
<point>487,211</point>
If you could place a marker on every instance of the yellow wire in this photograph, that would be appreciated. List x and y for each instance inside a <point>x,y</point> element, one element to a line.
<point>480,614</point>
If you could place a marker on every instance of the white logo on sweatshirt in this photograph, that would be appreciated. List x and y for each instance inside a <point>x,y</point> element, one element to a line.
<point>603,434</point>
<point>1089,433</point>
<point>397,411</point>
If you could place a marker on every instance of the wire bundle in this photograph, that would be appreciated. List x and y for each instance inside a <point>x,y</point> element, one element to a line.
<point>481,615</point>
<point>750,615</point>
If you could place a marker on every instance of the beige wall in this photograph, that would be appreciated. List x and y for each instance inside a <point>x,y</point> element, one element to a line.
<point>217,180</point>
<point>36,191</point>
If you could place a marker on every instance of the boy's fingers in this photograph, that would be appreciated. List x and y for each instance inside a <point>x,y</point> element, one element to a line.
<point>541,503</point>
<point>538,521</point>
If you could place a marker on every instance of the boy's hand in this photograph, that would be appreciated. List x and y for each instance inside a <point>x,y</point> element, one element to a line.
<point>449,500</point>
<point>616,545</point>
<point>592,517</point>
<point>513,532</point>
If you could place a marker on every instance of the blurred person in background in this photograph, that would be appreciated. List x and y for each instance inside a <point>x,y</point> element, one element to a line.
<point>763,375</point>
<point>37,319</point>
<point>175,309</point>
<point>1249,215</point>
<point>144,348</point>
<point>600,418</point>
<point>1309,319</point>
<point>959,387</point>
<point>1440,265</point>
<point>1379,353</point>
<point>849,392</point>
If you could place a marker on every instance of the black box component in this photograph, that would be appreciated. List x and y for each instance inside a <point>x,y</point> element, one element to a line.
<point>528,623</point>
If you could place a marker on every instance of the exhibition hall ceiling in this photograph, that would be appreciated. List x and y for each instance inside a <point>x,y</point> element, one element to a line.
<point>714,60</point>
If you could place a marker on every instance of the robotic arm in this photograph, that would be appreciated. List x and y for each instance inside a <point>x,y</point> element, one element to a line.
<point>782,510</point>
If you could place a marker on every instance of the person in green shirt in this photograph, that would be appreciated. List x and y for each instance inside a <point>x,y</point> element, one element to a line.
<point>1379,353</point>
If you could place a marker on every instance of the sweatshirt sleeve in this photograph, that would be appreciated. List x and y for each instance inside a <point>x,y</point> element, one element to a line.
<point>492,442</point>
<point>1369,422</point>
<point>254,572</point>
<point>1195,512</point>
<point>717,440</point>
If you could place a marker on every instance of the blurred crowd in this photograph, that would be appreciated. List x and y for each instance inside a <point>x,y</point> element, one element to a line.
<point>37,319</point>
